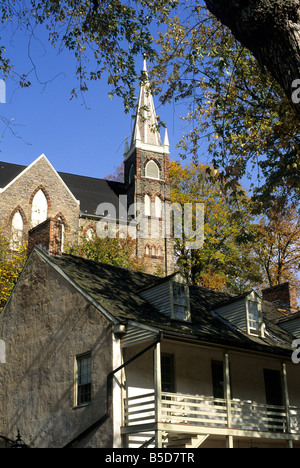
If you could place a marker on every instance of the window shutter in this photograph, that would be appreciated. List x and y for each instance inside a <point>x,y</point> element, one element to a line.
<point>152,170</point>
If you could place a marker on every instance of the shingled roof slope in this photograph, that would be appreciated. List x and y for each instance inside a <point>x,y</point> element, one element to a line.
<point>9,172</point>
<point>117,291</point>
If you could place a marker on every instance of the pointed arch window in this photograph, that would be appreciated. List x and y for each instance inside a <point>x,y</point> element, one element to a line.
<point>158,207</point>
<point>147,201</point>
<point>17,226</point>
<point>152,170</point>
<point>63,233</point>
<point>39,208</point>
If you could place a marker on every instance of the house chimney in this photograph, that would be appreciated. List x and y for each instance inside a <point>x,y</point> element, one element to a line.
<point>47,235</point>
<point>284,295</point>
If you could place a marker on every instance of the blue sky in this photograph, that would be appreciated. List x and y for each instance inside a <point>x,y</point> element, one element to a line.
<point>82,138</point>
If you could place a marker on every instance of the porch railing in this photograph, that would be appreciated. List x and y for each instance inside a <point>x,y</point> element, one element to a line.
<point>208,411</point>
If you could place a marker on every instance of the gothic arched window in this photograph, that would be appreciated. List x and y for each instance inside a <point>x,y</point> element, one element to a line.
<point>17,226</point>
<point>152,170</point>
<point>39,208</point>
<point>90,233</point>
<point>147,201</point>
<point>158,207</point>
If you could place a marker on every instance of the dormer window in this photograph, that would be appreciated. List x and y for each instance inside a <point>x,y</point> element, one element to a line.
<point>180,302</point>
<point>243,312</point>
<point>170,296</point>
<point>254,318</point>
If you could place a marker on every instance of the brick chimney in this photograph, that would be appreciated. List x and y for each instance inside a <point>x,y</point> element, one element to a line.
<point>285,295</point>
<point>47,235</point>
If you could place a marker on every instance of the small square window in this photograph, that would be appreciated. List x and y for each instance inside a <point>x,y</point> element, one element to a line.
<point>84,379</point>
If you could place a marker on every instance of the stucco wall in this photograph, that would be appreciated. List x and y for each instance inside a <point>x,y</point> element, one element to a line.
<point>46,324</point>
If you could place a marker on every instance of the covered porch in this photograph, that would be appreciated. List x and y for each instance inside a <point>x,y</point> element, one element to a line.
<point>188,420</point>
<point>154,417</point>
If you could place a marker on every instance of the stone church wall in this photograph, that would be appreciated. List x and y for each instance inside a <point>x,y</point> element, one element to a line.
<point>18,196</point>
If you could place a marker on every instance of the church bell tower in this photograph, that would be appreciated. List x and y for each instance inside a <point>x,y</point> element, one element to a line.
<point>146,172</point>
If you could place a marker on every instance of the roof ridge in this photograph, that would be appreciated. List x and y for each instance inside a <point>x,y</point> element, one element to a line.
<point>107,265</point>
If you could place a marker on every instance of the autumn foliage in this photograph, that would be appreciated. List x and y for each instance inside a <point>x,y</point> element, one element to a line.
<point>11,265</point>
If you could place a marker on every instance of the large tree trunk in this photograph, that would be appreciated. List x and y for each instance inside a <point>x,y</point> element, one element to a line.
<point>270,29</point>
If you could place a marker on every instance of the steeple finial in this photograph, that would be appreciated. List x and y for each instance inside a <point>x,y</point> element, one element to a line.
<point>145,63</point>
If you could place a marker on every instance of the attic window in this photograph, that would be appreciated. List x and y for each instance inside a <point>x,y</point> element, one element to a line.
<point>181,310</point>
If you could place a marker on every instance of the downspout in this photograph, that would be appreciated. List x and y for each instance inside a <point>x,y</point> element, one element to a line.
<point>109,380</point>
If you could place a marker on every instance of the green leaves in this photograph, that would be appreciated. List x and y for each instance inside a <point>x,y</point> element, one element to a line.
<point>112,250</point>
<point>102,36</point>
<point>235,109</point>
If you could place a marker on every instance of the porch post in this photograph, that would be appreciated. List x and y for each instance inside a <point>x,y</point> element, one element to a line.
<point>229,439</point>
<point>286,401</point>
<point>157,390</point>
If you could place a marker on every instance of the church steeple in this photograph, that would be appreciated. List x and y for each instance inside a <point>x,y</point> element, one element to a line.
<point>146,171</point>
<point>145,132</point>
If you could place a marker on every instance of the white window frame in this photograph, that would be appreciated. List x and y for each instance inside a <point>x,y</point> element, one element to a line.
<point>186,305</point>
<point>78,358</point>
<point>254,320</point>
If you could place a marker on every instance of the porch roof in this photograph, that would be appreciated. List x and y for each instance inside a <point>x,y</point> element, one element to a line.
<point>117,291</point>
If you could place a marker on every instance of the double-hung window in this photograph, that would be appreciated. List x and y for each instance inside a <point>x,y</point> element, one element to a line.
<point>181,310</point>
<point>254,320</point>
<point>84,379</point>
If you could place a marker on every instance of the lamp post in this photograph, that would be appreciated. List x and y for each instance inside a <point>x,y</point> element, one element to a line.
<point>19,443</point>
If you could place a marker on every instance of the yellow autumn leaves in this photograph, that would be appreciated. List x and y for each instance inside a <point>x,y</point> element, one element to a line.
<point>11,265</point>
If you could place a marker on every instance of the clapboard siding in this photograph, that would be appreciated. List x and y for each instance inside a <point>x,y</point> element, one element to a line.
<point>137,334</point>
<point>235,313</point>
<point>292,326</point>
<point>160,297</point>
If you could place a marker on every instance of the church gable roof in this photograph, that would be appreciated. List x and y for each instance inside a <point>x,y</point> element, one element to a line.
<point>8,172</point>
<point>89,191</point>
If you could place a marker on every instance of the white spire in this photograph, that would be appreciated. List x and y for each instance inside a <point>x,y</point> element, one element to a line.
<point>166,139</point>
<point>145,125</point>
